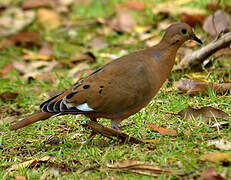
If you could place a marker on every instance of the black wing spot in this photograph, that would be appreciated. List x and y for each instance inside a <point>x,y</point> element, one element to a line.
<point>86,86</point>
<point>100,91</point>
<point>101,86</point>
<point>69,96</point>
<point>76,87</point>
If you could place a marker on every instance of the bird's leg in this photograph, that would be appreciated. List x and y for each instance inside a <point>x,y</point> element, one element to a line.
<point>115,125</point>
<point>93,133</point>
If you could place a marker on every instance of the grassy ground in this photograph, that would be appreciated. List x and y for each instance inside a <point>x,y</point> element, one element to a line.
<point>70,156</point>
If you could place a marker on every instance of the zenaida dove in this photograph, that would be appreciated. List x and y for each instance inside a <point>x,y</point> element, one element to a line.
<point>120,88</point>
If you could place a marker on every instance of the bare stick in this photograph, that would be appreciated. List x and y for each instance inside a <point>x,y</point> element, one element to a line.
<point>222,41</point>
<point>108,132</point>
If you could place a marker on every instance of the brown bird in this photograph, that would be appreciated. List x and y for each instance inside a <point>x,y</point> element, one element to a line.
<point>120,88</point>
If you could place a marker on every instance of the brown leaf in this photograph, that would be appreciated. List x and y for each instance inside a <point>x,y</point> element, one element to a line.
<point>192,20</point>
<point>161,130</point>
<point>6,111</point>
<point>23,38</point>
<point>8,95</point>
<point>29,4</point>
<point>6,69</point>
<point>194,87</point>
<point>216,23</point>
<point>139,167</point>
<point>87,56</point>
<point>205,113</point>
<point>211,174</point>
<point>46,49</point>
<point>34,69</point>
<point>97,43</point>
<point>123,22</point>
<point>14,20</point>
<point>220,143</point>
<point>29,163</point>
<point>20,178</point>
<point>48,19</point>
<point>217,157</point>
<point>136,5</point>
<point>8,119</point>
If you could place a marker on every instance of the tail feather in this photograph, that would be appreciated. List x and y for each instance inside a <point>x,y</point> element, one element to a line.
<point>37,116</point>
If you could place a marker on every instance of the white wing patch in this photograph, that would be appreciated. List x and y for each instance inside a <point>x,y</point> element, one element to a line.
<point>84,107</point>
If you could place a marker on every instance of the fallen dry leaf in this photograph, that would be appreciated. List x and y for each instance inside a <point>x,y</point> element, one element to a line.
<point>8,95</point>
<point>136,5</point>
<point>220,144</point>
<point>29,163</point>
<point>217,157</point>
<point>46,49</point>
<point>211,174</point>
<point>138,167</point>
<point>48,19</point>
<point>205,113</point>
<point>6,69</point>
<point>14,19</point>
<point>216,23</point>
<point>78,69</point>
<point>161,130</point>
<point>192,20</point>
<point>5,111</point>
<point>20,178</point>
<point>87,56</point>
<point>8,119</point>
<point>23,38</point>
<point>195,87</point>
<point>33,69</point>
<point>30,55</point>
<point>97,43</point>
<point>123,21</point>
<point>29,4</point>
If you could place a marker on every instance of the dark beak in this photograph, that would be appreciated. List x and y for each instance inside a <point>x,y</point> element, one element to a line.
<point>196,39</point>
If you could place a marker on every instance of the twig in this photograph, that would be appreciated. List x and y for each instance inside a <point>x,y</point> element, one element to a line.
<point>109,133</point>
<point>222,41</point>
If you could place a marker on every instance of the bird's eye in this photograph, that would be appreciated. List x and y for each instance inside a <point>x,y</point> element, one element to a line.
<point>184,31</point>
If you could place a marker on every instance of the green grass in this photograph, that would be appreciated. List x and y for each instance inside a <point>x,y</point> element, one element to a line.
<point>71,156</point>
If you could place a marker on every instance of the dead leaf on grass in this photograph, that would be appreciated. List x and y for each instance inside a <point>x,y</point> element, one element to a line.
<point>211,174</point>
<point>136,5</point>
<point>205,113</point>
<point>6,69</point>
<point>139,168</point>
<point>97,43</point>
<point>192,20</point>
<point>216,23</point>
<point>20,178</point>
<point>33,69</point>
<point>87,56</point>
<point>8,119</point>
<point>14,20</point>
<point>162,130</point>
<point>195,87</point>
<point>46,49</point>
<point>30,55</point>
<point>8,95</point>
<point>220,144</point>
<point>29,163</point>
<point>6,111</point>
<point>217,157</point>
<point>29,4</point>
<point>123,21</point>
<point>48,19</point>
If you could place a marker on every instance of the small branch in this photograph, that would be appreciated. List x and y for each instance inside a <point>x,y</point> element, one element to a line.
<point>222,41</point>
<point>109,133</point>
